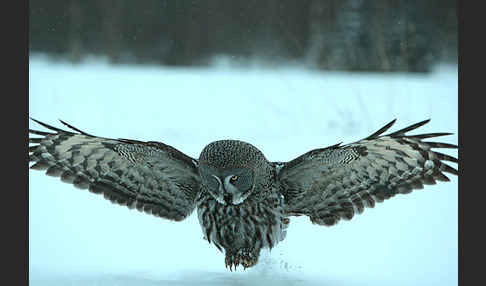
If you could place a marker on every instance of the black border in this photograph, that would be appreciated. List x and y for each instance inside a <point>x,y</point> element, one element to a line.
<point>471,205</point>
<point>15,92</point>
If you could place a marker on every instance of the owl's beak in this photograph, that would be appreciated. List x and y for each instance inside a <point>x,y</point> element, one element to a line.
<point>227,196</point>
<point>224,196</point>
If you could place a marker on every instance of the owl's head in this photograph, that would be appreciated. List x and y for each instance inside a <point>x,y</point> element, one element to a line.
<point>229,170</point>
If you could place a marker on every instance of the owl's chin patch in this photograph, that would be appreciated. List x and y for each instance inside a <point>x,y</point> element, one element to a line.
<point>232,200</point>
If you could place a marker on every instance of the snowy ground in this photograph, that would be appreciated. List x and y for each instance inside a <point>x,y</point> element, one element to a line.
<point>78,238</point>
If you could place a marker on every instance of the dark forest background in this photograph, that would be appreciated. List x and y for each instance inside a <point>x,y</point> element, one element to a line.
<point>354,35</point>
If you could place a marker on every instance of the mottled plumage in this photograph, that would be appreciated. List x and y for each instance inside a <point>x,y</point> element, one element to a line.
<point>243,201</point>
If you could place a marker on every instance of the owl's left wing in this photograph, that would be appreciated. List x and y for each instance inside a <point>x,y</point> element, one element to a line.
<point>150,176</point>
<point>338,181</point>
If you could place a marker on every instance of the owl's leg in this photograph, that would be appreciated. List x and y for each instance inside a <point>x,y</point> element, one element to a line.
<point>246,257</point>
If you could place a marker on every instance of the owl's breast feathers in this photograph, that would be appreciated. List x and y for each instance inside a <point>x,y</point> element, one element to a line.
<point>255,224</point>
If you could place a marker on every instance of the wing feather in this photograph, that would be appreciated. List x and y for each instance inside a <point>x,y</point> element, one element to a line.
<point>150,176</point>
<point>334,183</point>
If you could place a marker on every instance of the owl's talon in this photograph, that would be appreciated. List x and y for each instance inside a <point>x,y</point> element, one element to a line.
<point>244,257</point>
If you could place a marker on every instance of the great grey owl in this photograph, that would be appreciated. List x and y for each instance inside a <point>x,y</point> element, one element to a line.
<point>244,202</point>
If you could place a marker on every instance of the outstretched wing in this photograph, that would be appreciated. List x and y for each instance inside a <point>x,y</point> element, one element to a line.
<point>338,181</point>
<point>150,176</point>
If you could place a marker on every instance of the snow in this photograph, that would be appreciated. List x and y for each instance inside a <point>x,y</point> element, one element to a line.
<point>78,238</point>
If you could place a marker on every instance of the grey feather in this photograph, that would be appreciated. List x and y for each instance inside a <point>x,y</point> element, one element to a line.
<point>145,173</point>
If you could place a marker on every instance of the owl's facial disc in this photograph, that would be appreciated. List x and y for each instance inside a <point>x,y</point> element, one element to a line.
<point>227,192</point>
<point>233,194</point>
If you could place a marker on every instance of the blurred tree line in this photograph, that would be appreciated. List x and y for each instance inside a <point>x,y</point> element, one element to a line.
<point>358,35</point>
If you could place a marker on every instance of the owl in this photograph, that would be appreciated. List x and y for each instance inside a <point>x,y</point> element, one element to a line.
<point>244,202</point>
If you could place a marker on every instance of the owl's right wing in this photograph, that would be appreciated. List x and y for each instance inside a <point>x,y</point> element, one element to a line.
<point>149,176</point>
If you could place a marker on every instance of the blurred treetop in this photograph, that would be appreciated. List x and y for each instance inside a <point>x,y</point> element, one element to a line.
<point>354,35</point>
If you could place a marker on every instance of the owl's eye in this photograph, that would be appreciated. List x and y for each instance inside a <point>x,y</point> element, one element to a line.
<point>233,178</point>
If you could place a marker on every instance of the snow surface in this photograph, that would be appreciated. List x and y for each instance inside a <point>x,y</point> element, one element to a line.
<point>78,238</point>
